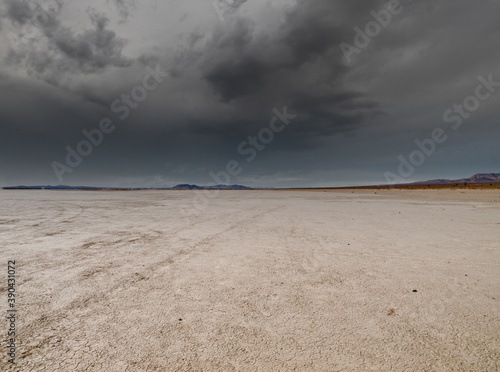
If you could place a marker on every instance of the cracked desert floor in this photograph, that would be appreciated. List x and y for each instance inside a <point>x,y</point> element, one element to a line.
<point>364,280</point>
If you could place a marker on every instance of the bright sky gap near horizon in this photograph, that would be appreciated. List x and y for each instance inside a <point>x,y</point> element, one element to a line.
<point>212,73</point>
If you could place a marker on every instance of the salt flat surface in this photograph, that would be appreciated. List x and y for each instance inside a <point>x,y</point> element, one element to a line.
<point>258,281</point>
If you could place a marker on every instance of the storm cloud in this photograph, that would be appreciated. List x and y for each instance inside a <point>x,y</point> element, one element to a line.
<point>229,65</point>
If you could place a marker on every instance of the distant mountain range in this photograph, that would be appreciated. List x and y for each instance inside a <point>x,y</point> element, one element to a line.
<point>216,187</point>
<point>477,179</point>
<point>49,187</point>
<point>177,187</point>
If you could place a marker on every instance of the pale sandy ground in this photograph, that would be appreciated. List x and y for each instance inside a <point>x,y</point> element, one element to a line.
<point>262,280</point>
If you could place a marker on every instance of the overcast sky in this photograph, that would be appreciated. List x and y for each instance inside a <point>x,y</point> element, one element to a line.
<point>203,76</point>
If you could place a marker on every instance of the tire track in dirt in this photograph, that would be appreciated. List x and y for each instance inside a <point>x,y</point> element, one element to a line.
<point>89,303</point>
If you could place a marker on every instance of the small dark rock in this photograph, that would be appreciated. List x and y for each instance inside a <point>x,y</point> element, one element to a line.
<point>414,290</point>
<point>180,319</point>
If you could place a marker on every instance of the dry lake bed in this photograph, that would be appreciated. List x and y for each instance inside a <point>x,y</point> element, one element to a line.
<point>363,280</point>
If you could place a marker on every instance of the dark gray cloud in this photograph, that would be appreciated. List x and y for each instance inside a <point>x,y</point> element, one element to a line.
<point>19,11</point>
<point>90,51</point>
<point>225,8</point>
<point>52,50</point>
<point>299,64</point>
<point>125,8</point>
<point>227,75</point>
